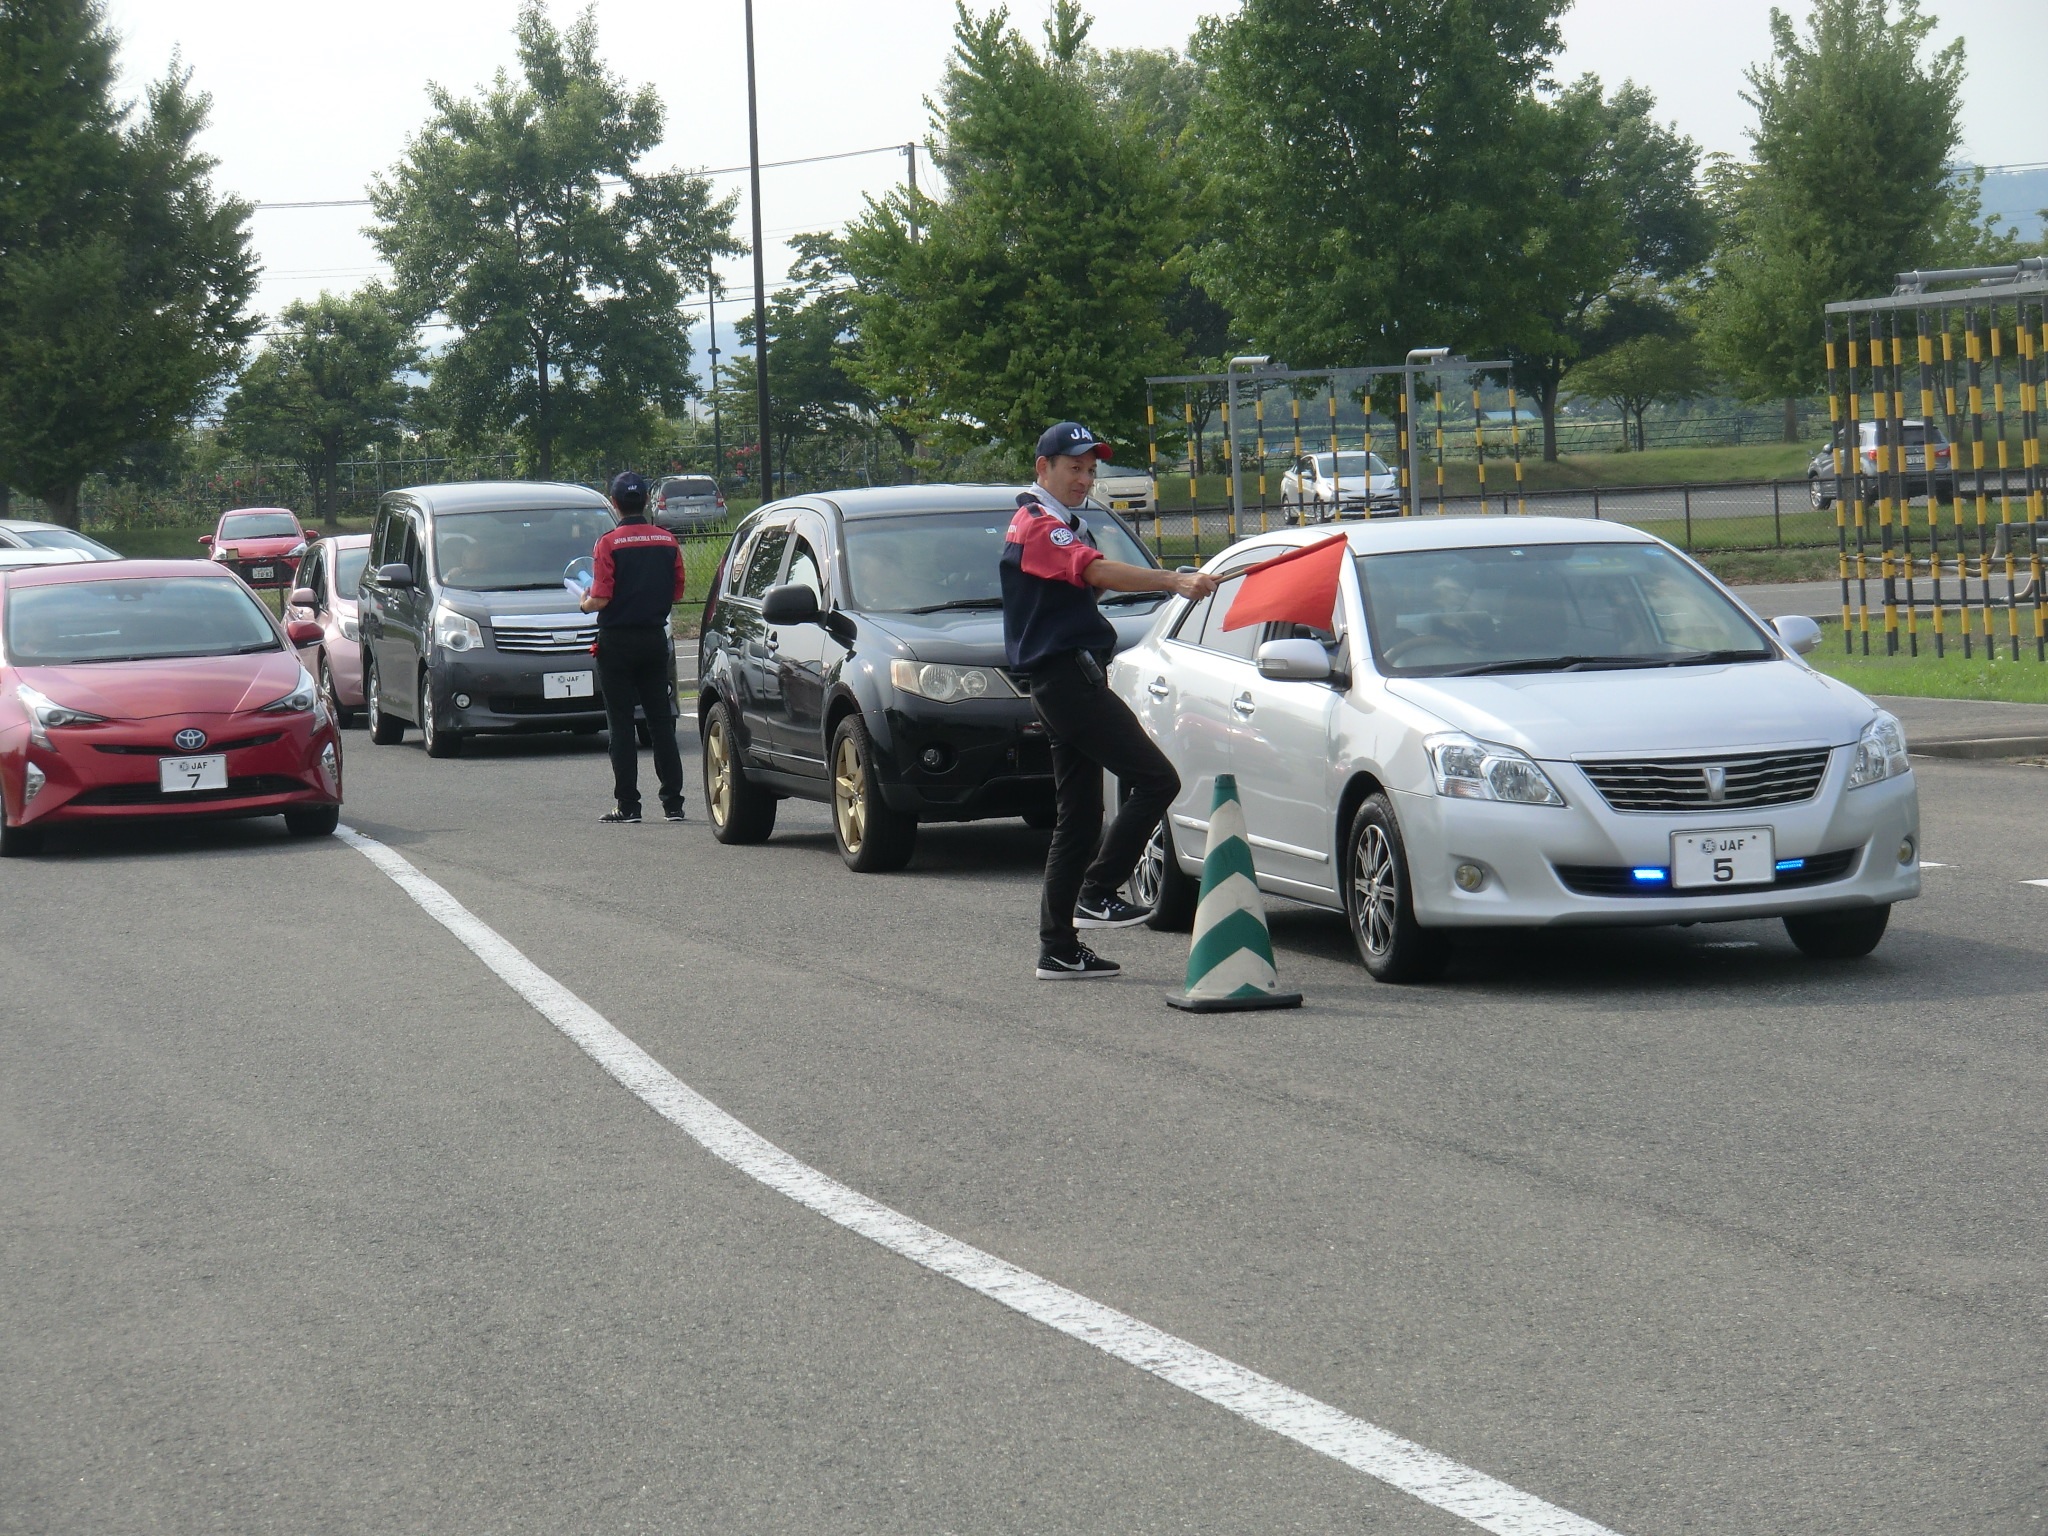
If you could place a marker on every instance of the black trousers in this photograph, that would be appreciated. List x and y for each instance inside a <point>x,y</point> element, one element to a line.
<point>632,668</point>
<point>1091,730</point>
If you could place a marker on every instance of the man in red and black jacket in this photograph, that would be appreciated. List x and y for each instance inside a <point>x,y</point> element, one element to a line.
<point>639,579</point>
<point>1052,574</point>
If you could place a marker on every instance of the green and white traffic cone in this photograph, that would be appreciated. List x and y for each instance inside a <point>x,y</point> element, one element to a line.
<point>1230,963</point>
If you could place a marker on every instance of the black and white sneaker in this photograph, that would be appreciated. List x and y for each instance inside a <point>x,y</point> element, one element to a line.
<point>1107,910</point>
<point>616,817</point>
<point>1077,964</point>
<point>673,812</point>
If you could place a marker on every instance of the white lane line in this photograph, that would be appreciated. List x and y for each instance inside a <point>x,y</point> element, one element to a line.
<point>1451,1486</point>
<point>2042,883</point>
<point>1924,864</point>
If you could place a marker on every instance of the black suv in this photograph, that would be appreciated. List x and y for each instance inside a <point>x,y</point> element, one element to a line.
<point>852,652</point>
<point>466,625</point>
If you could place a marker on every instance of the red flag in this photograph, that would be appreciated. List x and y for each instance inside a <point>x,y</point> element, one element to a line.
<point>1299,587</point>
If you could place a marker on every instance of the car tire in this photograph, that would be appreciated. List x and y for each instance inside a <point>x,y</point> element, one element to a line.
<point>314,821</point>
<point>1161,886</point>
<point>585,730</point>
<point>1820,498</point>
<point>1838,935</point>
<point>343,718</point>
<point>438,739</point>
<point>19,842</point>
<point>873,837</point>
<point>1041,818</point>
<point>1379,900</point>
<point>385,730</point>
<point>741,811</point>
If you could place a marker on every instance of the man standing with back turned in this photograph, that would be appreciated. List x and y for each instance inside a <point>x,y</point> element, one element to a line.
<point>1052,573</point>
<point>638,579</point>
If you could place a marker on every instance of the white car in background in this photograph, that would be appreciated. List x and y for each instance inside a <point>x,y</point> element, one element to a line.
<point>1524,722</point>
<point>1124,487</point>
<point>1321,487</point>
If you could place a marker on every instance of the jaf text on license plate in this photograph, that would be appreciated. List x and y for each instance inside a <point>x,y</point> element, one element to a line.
<point>182,775</point>
<point>1731,856</point>
<point>566,685</point>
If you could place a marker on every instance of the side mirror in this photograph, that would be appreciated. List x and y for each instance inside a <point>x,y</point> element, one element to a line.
<point>396,574</point>
<point>792,604</point>
<point>206,538</point>
<point>303,632</point>
<point>1294,661</point>
<point>1798,632</point>
<point>305,597</point>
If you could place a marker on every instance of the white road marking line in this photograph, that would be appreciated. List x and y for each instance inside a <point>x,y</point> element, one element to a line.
<point>1924,864</point>
<point>1437,1480</point>
<point>2042,883</point>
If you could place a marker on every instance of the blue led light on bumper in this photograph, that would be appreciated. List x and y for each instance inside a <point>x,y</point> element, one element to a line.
<point>1785,866</point>
<point>1651,876</point>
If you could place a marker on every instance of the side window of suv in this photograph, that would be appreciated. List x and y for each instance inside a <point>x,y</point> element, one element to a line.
<point>764,564</point>
<point>380,545</point>
<point>804,570</point>
<point>410,547</point>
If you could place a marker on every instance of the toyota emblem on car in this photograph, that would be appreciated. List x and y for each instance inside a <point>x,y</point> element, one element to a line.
<point>189,740</point>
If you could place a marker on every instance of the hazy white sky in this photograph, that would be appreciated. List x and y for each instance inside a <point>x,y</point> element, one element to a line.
<point>311,99</point>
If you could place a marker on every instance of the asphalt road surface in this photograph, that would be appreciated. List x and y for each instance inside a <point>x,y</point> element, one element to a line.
<point>308,1223</point>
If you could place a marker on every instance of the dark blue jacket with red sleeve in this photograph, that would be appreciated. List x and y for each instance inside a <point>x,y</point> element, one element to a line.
<point>639,574</point>
<point>1048,607</point>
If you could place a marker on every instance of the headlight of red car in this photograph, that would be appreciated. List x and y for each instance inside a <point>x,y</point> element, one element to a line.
<point>45,712</point>
<point>298,701</point>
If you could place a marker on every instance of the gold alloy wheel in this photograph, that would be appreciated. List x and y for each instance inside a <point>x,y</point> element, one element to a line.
<point>849,795</point>
<point>718,770</point>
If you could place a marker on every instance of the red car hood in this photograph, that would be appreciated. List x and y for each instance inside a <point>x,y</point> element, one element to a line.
<point>144,690</point>
<point>256,549</point>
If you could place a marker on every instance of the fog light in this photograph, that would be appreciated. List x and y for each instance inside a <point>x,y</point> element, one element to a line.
<point>32,781</point>
<point>330,764</point>
<point>1469,877</point>
<point>462,701</point>
<point>1906,850</point>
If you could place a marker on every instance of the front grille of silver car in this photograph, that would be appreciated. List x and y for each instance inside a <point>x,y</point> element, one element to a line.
<point>552,641</point>
<point>1709,783</point>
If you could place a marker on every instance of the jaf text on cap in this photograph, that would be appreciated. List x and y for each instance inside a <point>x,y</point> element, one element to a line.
<point>1070,438</point>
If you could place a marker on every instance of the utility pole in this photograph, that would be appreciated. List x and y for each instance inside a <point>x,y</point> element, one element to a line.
<point>911,151</point>
<point>1411,374</point>
<point>1230,418</point>
<point>761,415</point>
<point>717,438</point>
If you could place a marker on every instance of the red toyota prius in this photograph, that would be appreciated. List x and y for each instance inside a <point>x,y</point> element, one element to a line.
<point>153,688</point>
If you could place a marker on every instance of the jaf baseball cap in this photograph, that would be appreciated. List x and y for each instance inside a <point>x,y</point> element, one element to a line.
<point>1070,438</point>
<point>629,490</point>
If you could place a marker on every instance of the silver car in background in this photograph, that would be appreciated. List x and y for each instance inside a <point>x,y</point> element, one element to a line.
<point>686,503</point>
<point>1525,722</point>
<point>1321,487</point>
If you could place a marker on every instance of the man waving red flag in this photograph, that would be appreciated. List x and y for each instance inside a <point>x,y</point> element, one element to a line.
<point>1299,587</point>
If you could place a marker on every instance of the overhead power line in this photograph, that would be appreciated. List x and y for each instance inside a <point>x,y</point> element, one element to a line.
<point>613,181</point>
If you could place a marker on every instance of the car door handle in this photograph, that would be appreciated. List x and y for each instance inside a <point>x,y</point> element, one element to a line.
<point>1157,688</point>
<point>1243,704</point>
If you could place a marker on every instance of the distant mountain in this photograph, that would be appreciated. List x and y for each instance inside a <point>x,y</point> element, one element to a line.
<point>2018,196</point>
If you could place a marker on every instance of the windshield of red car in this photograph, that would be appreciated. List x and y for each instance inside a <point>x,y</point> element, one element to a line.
<point>152,619</point>
<point>259,525</point>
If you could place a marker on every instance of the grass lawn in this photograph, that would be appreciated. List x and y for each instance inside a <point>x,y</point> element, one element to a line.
<point>1924,676</point>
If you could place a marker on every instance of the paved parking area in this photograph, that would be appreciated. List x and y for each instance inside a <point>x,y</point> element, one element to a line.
<point>308,1222</point>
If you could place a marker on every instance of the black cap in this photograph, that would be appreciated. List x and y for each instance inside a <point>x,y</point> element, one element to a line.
<point>629,491</point>
<point>1070,439</point>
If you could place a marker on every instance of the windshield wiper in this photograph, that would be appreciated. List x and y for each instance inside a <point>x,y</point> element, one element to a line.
<point>958,602</point>
<point>1532,664</point>
<point>1606,663</point>
<point>524,586</point>
<point>1136,597</point>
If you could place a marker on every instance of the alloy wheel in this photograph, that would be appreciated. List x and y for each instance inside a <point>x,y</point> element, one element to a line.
<point>718,766</point>
<point>849,795</point>
<point>327,694</point>
<point>1150,874</point>
<point>1375,890</point>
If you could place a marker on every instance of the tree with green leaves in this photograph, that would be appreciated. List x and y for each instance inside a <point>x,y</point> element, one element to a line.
<point>1373,158</point>
<point>1639,373</point>
<point>1857,125</point>
<point>1035,288</point>
<point>1617,213</point>
<point>123,276</point>
<point>328,387</point>
<point>810,338</point>
<point>524,217</point>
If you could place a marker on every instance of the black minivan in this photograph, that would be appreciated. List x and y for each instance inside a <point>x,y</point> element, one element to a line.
<point>466,624</point>
<point>852,652</point>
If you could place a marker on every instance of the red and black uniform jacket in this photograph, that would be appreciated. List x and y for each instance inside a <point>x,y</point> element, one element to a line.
<point>1048,607</point>
<point>639,575</point>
